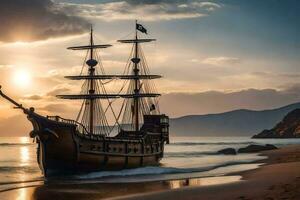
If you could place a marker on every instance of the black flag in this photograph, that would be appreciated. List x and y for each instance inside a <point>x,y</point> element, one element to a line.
<point>141,28</point>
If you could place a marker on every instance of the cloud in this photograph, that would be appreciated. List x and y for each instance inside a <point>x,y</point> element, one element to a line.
<point>55,108</point>
<point>49,95</point>
<point>32,97</point>
<point>217,102</point>
<point>185,104</point>
<point>147,10</point>
<point>209,6</point>
<point>221,61</point>
<point>276,75</point>
<point>59,90</point>
<point>33,20</point>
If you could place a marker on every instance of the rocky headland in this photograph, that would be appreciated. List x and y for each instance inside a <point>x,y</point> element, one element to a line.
<point>289,127</point>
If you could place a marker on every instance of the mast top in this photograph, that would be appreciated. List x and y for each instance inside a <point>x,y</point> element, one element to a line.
<point>141,28</point>
<point>91,45</point>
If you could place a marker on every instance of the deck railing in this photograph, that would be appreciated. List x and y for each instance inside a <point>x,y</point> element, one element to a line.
<point>79,127</point>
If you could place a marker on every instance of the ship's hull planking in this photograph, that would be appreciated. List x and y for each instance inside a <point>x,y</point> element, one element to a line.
<point>62,149</point>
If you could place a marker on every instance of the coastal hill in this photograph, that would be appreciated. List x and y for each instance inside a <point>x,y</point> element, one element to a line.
<point>233,123</point>
<point>289,127</point>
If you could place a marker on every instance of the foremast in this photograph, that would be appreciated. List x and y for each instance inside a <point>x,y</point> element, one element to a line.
<point>92,88</point>
<point>91,114</point>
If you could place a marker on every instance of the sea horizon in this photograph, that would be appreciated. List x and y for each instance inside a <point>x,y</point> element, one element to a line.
<point>185,157</point>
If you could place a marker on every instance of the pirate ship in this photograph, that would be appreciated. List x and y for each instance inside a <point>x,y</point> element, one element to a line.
<point>86,144</point>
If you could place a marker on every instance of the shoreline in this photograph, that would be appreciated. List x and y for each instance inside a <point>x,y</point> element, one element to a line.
<point>279,176</point>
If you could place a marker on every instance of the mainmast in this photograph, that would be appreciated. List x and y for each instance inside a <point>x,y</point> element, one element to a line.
<point>143,91</point>
<point>136,61</point>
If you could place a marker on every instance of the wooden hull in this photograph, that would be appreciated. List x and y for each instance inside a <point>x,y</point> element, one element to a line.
<point>62,150</point>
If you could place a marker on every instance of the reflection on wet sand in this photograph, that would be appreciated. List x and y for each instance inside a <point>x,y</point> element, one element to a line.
<point>106,190</point>
<point>174,184</point>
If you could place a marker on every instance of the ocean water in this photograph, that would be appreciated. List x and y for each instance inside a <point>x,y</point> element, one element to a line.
<point>185,157</point>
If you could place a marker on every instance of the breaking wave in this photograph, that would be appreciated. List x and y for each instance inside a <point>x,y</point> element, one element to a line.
<point>190,154</point>
<point>209,143</point>
<point>151,171</point>
<point>133,172</point>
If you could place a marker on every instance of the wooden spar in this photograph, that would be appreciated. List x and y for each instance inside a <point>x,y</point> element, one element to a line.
<point>90,47</point>
<point>104,77</point>
<point>107,96</point>
<point>19,106</point>
<point>136,40</point>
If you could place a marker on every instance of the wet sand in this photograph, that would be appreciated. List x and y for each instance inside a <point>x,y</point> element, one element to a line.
<point>279,178</point>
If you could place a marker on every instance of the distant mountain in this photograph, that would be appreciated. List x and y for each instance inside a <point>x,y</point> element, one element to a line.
<point>233,123</point>
<point>289,127</point>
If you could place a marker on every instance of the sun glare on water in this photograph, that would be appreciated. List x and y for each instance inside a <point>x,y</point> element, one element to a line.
<point>22,78</point>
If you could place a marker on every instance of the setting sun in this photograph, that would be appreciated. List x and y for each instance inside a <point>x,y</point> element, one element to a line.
<point>22,78</point>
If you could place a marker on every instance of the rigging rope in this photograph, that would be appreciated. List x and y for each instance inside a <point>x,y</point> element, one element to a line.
<point>101,125</point>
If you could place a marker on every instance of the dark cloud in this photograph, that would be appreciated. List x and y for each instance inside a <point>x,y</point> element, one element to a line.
<point>31,20</point>
<point>151,2</point>
<point>185,104</point>
<point>217,102</point>
<point>276,75</point>
<point>295,90</point>
<point>148,10</point>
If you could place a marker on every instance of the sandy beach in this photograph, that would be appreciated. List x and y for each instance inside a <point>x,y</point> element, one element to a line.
<point>278,178</point>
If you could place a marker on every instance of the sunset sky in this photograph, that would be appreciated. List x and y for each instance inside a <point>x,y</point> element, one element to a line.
<point>215,56</point>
